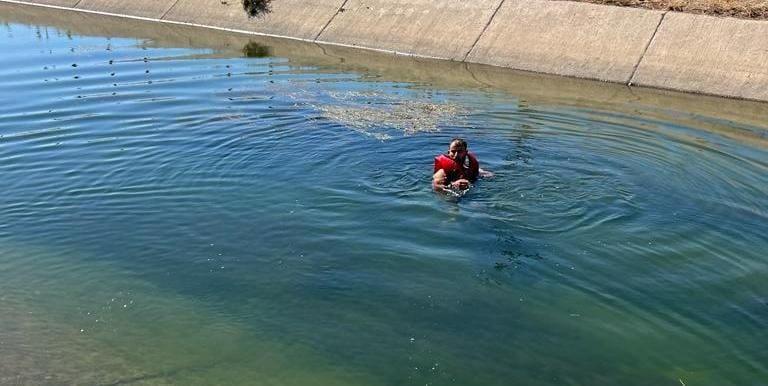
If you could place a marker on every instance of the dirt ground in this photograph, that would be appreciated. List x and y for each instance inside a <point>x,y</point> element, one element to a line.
<point>744,9</point>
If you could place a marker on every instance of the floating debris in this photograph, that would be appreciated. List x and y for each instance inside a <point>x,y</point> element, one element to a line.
<point>373,113</point>
<point>409,117</point>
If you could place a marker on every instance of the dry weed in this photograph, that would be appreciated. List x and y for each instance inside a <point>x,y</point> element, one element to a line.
<point>746,9</point>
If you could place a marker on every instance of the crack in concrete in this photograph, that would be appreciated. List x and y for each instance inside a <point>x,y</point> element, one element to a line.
<point>169,10</point>
<point>495,11</point>
<point>645,50</point>
<point>340,10</point>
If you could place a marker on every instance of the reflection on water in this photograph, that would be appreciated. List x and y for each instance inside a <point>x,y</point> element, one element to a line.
<point>256,50</point>
<point>176,214</point>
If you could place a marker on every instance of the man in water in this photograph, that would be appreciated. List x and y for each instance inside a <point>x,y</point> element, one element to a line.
<point>457,169</point>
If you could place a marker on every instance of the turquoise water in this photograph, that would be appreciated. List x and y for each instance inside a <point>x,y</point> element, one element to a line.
<point>179,215</point>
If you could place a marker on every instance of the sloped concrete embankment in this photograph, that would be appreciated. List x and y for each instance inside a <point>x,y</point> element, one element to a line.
<point>683,52</point>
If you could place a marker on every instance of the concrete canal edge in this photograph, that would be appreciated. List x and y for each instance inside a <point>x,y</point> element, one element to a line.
<point>667,50</point>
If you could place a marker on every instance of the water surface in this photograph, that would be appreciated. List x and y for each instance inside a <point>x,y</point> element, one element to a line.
<point>181,214</point>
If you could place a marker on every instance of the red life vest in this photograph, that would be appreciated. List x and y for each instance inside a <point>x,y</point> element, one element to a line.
<point>454,171</point>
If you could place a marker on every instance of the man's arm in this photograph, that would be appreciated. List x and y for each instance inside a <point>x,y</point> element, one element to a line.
<point>439,180</point>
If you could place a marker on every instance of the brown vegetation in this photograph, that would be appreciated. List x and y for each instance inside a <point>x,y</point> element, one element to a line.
<point>746,9</point>
<point>256,8</point>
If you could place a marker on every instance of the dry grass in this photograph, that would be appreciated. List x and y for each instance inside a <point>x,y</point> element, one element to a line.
<point>745,9</point>
<point>255,8</point>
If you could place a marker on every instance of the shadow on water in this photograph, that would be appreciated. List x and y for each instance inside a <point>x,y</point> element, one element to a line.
<point>256,8</point>
<point>159,375</point>
<point>142,378</point>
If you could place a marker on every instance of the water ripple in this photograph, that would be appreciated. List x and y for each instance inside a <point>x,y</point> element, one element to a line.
<point>252,200</point>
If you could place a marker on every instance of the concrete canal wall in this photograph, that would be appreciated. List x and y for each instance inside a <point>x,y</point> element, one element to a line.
<point>667,50</point>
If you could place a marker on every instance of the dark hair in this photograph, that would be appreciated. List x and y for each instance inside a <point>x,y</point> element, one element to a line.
<point>461,141</point>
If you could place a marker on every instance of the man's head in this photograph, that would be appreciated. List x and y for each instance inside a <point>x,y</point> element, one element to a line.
<point>457,149</point>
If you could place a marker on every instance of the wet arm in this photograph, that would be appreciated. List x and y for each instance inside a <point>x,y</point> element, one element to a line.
<point>439,180</point>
